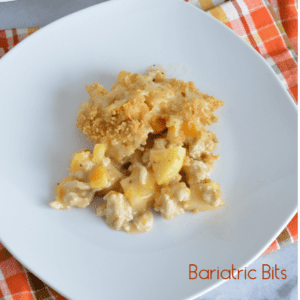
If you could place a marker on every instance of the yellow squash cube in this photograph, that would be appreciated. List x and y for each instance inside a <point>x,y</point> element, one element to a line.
<point>77,160</point>
<point>189,130</point>
<point>167,163</point>
<point>98,178</point>
<point>158,125</point>
<point>98,153</point>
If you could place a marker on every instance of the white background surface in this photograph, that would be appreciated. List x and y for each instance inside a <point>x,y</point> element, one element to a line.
<point>25,13</point>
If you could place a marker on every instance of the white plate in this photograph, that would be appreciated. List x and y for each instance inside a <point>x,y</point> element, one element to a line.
<point>42,85</point>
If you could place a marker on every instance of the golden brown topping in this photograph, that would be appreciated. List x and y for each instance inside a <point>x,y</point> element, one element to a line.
<point>136,106</point>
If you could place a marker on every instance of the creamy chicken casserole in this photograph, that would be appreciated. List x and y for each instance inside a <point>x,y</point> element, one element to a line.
<point>151,151</point>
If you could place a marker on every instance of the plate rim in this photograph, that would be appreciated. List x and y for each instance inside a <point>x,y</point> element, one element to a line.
<point>110,3</point>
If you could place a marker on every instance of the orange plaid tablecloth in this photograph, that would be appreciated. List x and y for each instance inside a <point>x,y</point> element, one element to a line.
<point>269,27</point>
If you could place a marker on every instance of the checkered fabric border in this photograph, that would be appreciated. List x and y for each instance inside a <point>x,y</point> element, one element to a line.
<point>287,236</point>
<point>10,38</point>
<point>287,11</point>
<point>258,23</point>
<point>17,283</point>
<point>269,27</point>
